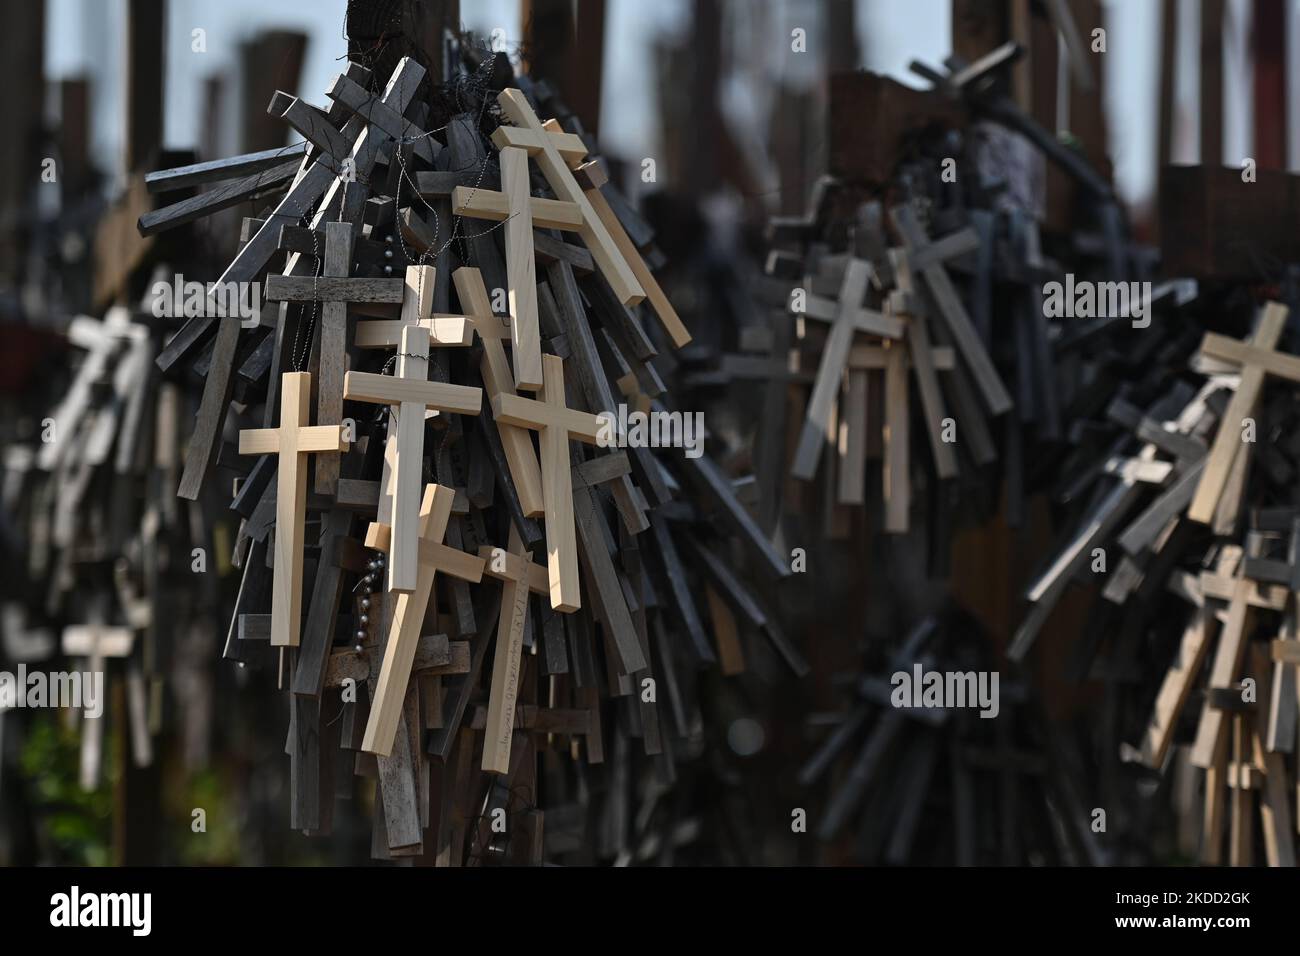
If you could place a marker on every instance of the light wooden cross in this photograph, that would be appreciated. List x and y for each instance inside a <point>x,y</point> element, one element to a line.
<point>556,423</point>
<point>446,330</point>
<point>411,391</point>
<point>557,153</point>
<point>95,642</point>
<point>519,576</point>
<point>1257,359</point>
<point>847,317</point>
<point>520,211</point>
<point>101,340</point>
<point>292,441</point>
<point>492,330</point>
<point>408,615</point>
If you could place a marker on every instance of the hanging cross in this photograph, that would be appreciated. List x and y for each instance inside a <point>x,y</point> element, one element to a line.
<point>446,330</point>
<point>556,423</point>
<point>1257,359</point>
<point>928,259</point>
<point>519,576</point>
<point>557,152</point>
<point>847,316</point>
<point>411,391</point>
<point>520,211</point>
<point>408,615</point>
<point>521,457</point>
<point>292,441</point>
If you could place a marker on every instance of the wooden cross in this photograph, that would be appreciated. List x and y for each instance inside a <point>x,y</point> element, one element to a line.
<point>846,316</point>
<point>411,391</point>
<point>556,423</point>
<point>292,441</point>
<point>928,258</point>
<point>519,576</point>
<point>101,340</point>
<point>408,615</point>
<point>520,211</point>
<point>1256,359</point>
<point>557,152</point>
<point>95,642</point>
<point>521,457</point>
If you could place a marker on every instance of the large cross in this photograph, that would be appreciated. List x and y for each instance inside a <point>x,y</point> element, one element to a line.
<point>292,441</point>
<point>408,615</point>
<point>411,391</point>
<point>1257,359</point>
<point>847,317</point>
<point>556,423</point>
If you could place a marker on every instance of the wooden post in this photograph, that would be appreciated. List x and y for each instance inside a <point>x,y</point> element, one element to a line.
<point>145,67</point>
<point>564,44</point>
<point>22,43</point>
<point>1268,43</point>
<point>271,61</point>
<point>1212,82</point>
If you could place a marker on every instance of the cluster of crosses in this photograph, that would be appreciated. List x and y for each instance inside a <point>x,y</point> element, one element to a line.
<point>335,216</point>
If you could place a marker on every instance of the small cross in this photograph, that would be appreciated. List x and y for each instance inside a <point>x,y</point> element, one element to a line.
<point>408,615</point>
<point>521,457</point>
<point>556,423</point>
<point>292,441</point>
<point>1257,359</point>
<point>519,210</point>
<point>557,153</point>
<point>847,316</point>
<point>928,258</point>
<point>411,391</point>
<point>95,642</point>
<point>446,330</point>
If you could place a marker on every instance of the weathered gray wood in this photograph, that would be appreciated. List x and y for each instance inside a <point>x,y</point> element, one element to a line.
<point>285,288</point>
<point>953,313</point>
<point>332,365</point>
<point>219,170</point>
<point>382,113</point>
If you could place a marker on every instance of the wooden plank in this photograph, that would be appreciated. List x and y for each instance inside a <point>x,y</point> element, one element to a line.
<point>1227,441</point>
<point>333,352</point>
<point>1223,674</point>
